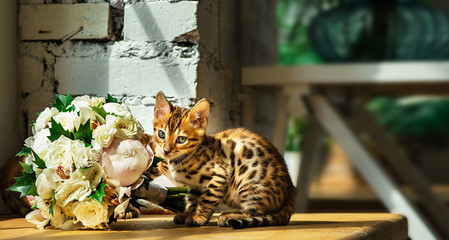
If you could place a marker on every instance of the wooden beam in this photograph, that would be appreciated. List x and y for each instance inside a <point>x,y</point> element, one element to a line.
<point>64,21</point>
<point>361,73</point>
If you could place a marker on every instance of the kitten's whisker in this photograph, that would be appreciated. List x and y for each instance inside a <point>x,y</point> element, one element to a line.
<point>204,147</point>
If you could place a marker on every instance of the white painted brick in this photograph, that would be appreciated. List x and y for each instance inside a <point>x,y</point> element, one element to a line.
<point>55,21</point>
<point>126,76</point>
<point>149,21</point>
<point>82,75</point>
<point>31,74</point>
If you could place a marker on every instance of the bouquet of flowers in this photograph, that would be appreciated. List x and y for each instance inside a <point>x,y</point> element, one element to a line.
<point>83,164</point>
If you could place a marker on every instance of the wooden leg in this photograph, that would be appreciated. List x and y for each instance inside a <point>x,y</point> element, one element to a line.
<point>309,159</point>
<point>382,183</point>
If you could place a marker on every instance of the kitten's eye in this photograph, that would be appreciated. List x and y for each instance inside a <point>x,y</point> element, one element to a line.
<point>161,134</point>
<point>181,139</point>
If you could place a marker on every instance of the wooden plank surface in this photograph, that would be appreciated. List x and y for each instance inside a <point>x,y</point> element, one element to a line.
<point>60,21</point>
<point>302,226</point>
<point>354,73</point>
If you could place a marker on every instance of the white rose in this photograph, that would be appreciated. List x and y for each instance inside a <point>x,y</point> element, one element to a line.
<point>93,174</point>
<point>44,118</point>
<point>118,109</point>
<point>83,156</point>
<point>69,120</point>
<point>104,135</point>
<point>29,141</point>
<point>60,154</point>
<point>71,190</point>
<point>81,102</point>
<point>125,127</point>
<point>91,214</point>
<point>36,217</point>
<point>88,113</point>
<point>125,161</point>
<point>96,101</point>
<point>45,185</point>
<point>41,142</point>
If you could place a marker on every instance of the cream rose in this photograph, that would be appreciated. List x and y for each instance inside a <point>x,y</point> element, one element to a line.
<point>69,120</point>
<point>91,213</point>
<point>58,218</point>
<point>104,134</point>
<point>71,190</point>
<point>93,174</point>
<point>68,209</point>
<point>45,185</point>
<point>125,127</point>
<point>83,156</point>
<point>125,161</point>
<point>35,217</point>
<point>60,154</point>
<point>118,109</point>
<point>44,118</point>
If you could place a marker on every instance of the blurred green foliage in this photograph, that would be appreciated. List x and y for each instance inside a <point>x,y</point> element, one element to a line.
<point>292,20</point>
<point>415,117</point>
<point>405,117</point>
<point>295,134</point>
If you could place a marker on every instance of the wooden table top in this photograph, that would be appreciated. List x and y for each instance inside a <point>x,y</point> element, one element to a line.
<point>370,226</point>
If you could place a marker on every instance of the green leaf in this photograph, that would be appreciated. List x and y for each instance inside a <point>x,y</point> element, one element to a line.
<point>99,192</point>
<point>25,185</point>
<point>35,206</point>
<point>57,131</point>
<point>62,103</point>
<point>100,111</point>
<point>51,209</point>
<point>38,161</point>
<point>26,167</point>
<point>24,152</point>
<point>111,99</point>
<point>156,160</point>
<point>84,133</point>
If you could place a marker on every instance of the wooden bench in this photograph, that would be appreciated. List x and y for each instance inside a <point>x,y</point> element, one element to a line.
<point>373,226</point>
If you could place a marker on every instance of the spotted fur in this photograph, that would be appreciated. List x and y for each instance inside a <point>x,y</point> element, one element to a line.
<point>235,167</point>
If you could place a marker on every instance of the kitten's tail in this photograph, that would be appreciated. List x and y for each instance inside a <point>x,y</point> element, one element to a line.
<point>282,217</point>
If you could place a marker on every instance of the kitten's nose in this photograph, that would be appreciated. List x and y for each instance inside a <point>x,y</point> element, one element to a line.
<point>166,149</point>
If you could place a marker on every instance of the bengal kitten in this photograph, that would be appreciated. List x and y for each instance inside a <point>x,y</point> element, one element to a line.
<point>235,167</point>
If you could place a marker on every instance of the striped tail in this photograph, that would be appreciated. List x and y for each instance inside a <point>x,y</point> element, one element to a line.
<point>282,217</point>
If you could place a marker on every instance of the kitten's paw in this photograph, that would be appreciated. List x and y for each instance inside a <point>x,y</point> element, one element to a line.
<point>197,220</point>
<point>223,221</point>
<point>227,219</point>
<point>180,218</point>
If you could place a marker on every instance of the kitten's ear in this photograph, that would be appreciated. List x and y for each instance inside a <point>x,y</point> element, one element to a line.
<point>199,113</point>
<point>163,106</point>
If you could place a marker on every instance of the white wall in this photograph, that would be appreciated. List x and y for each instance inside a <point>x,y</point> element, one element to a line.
<point>9,140</point>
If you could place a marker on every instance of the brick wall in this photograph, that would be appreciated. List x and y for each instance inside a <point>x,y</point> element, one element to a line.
<point>171,46</point>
